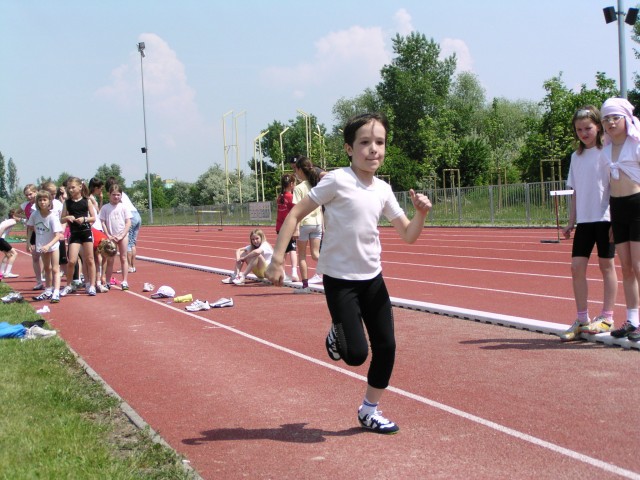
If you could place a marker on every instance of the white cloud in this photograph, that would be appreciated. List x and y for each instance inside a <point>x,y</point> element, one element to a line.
<point>460,48</point>
<point>402,21</point>
<point>355,56</point>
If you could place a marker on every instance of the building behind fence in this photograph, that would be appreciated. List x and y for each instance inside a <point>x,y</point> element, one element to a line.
<point>524,205</point>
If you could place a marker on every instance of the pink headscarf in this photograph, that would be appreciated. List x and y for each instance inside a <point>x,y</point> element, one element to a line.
<point>622,106</point>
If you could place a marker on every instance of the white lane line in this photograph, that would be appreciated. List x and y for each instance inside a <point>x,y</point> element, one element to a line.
<point>418,398</point>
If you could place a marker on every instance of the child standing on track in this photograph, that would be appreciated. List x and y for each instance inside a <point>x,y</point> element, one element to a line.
<point>589,179</point>
<point>30,191</point>
<point>256,256</point>
<point>79,214</point>
<point>46,225</point>
<point>116,222</point>
<point>623,155</point>
<point>356,294</point>
<point>285,204</point>
<point>10,253</point>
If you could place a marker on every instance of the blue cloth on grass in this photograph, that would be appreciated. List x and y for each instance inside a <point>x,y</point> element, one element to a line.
<point>8,330</point>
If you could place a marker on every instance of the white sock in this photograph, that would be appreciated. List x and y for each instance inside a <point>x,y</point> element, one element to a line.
<point>632,316</point>
<point>7,269</point>
<point>367,408</point>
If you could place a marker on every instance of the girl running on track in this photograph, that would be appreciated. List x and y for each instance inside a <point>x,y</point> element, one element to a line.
<point>356,294</point>
<point>589,179</point>
<point>622,130</point>
<point>79,214</point>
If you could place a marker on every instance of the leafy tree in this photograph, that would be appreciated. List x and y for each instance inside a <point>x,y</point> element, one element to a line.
<point>414,88</point>
<point>345,108</point>
<point>12,177</point>
<point>104,172</point>
<point>3,178</point>
<point>474,161</point>
<point>467,100</point>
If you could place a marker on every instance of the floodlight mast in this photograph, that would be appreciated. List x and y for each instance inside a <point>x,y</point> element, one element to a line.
<point>611,15</point>
<point>145,150</point>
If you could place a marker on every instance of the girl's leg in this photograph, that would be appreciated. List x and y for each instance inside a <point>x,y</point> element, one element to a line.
<point>294,265</point>
<point>629,279</point>
<point>36,262</point>
<point>610,282</point>
<point>109,269</point>
<point>88,263</point>
<point>55,270</point>
<point>46,265</point>
<point>72,260</point>
<point>301,247</point>
<point>579,278</point>
<point>124,264</point>
<point>314,246</point>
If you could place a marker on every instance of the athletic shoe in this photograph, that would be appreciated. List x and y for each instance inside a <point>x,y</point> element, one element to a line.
<point>222,302</point>
<point>103,288</point>
<point>55,298</point>
<point>287,278</point>
<point>38,286</point>
<point>10,275</point>
<point>67,290</point>
<point>315,279</point>
<point>38,332</point>
<point>148,287</point>
<point>573,333</point>
<point>12,297</point>
<point>635,335</point>
<point>132,269</point>
<point>332,344</point>
<point>46,295</point>
<point>229,280</point>
<point>91,291</point>
<point>239,280</point>
<point>599,325</point>
<point>198,306</point>
<point>124,286</point>
<point>302,290</point>
<point>377,423</point>
<point>623,331</point>
<point>294,278</point>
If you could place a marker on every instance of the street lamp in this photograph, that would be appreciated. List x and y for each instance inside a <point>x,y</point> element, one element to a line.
<point>307,126</point>
<point>235,124</point>
<point>226,156</point>
<point>257,148</point>
<point>145,149</point>
<point>282,148</point>
<point>610,15</point>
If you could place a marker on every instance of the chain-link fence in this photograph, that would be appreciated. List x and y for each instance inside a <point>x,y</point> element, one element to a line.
<point>525,204</point>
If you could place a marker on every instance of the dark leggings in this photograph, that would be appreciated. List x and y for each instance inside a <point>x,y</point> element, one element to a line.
<point>358,304</point>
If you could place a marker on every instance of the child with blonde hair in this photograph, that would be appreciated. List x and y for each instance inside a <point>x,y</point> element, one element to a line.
<point>48,231</point>
<point>256,256</point>
<point>116,222</point>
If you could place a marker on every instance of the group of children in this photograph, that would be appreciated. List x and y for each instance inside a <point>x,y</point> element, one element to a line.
<point>68,226</point>
<point>605,211</point>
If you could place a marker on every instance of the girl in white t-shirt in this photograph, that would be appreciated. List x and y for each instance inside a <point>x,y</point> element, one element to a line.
<point>354,199</point>
<point>255,258</point>
<point>116,221</point>
<point>589,179</point>
<point>48,230</point>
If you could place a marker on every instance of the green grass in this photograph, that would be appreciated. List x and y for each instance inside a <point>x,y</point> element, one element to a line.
<point>56,422</point>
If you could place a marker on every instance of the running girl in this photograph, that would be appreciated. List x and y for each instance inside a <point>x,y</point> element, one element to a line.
<point>355,291</point>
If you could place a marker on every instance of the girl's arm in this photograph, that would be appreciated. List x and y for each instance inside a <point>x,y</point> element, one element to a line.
<point>56,239</point>
<point>29,233</point>
<point>275,273</point>
<point>566,231</point>
<point>409,231</point>
<point>92,213</point>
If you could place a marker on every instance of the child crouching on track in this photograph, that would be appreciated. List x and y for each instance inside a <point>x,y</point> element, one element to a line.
<point>256,256</point>
<point>355,291</point>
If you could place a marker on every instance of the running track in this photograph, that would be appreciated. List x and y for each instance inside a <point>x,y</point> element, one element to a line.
<point>249,392</point>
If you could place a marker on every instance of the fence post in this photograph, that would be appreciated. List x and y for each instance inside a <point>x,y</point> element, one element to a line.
<point>491,210</point>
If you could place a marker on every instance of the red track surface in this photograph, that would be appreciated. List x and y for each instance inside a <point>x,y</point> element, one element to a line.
<point>249,391</point>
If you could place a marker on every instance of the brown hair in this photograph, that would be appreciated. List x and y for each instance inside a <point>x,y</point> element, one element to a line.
<point>593,114</point>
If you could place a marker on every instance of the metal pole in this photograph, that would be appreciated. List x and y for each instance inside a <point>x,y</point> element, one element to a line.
<point>235,123</point>
<point>621,49</point>
<point>144,119</point>
<point>226,156</point>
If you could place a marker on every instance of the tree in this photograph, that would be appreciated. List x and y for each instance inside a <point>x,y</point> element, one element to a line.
<point>12,177</point>
<point>467,100</point>
<point>414,88</point>
<point>3,176</point>
<point>104,172</point>
<point>345,108</point>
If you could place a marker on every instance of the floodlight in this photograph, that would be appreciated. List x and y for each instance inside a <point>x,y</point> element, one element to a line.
<point>632,16</point>
<point>141,48</point>
<point>610,15</point>
<point>144,150</point>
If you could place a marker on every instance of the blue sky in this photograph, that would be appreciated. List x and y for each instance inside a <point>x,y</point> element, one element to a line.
<point>70,96</point>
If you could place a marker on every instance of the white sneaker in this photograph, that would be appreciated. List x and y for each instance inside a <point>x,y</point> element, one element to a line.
<point>91,291</point>
<point>302,290</point>
<point>11,275</point>
<point>239,280</point>
<point>315,279</point>
<point>222,302</point>
<point>287,278</point>
<point>38,332</point>
<point>67,290</point>
<point>197,306</point>
<point>229,280</point>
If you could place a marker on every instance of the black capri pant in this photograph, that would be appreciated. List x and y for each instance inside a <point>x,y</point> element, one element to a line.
<point>358,304</point>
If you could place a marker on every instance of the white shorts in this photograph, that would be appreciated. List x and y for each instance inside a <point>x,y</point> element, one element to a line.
<point>310,231</point>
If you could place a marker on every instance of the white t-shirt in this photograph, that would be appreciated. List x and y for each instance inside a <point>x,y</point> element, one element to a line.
<point>301,191</point>
<point>351,243</point>
<point>114,217</point>
<point>56,207</point>
<point>628,159</point>
<point>267,251</point>
<point>589,178</point>
<point>45,228</point>
<point>6,226</point>
<point>128,203</point>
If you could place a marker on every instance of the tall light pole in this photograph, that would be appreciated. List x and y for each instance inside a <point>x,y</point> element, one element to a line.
<point>611,15</point>
<point>257,149</point>
<point>226,156</point>
<point>145,149</point>
<point>282,148</point>
<point>307,127</point>
<point>235,124</point>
